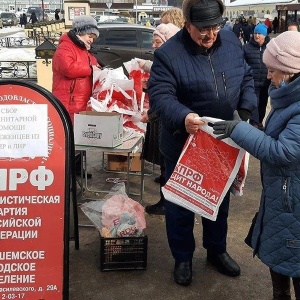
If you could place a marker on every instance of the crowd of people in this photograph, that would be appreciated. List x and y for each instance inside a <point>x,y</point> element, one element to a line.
<point>200,69</point>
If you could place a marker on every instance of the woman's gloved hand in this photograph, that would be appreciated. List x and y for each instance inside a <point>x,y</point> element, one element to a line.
<point>226,127</point>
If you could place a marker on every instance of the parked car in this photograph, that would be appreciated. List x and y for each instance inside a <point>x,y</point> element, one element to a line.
<point>9,19</point>
<point>119,43</point>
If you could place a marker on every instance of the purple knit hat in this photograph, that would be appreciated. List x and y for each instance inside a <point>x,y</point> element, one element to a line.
<point>283,52</point>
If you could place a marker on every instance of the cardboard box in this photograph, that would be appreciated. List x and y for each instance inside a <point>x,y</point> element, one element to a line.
<point>118,162</point>
<point>98,129</point>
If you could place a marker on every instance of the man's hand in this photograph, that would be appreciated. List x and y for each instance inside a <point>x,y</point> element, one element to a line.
<point>225,128</point>
<point>145,118</point>
<point>192,122</point>
<point>244,114</point>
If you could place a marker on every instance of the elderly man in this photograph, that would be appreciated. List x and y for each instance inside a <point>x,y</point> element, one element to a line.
<point>200,71</point>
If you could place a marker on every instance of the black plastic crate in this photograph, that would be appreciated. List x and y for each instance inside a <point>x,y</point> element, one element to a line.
<point>128,253</point>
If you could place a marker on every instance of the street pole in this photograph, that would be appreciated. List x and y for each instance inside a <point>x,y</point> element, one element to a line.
<point>43,10</point>
<point>136,14</point>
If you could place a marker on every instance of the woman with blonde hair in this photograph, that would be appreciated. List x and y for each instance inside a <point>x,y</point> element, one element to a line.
<point>174,16</point>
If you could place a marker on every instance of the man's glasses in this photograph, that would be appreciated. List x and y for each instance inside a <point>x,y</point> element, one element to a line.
<point>206,30</point>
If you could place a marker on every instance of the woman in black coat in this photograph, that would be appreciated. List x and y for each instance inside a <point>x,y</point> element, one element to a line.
<point>33,18</point>
<point>275,24</point>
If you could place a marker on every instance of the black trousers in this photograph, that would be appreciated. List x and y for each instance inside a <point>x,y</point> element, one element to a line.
<point>180,225</point>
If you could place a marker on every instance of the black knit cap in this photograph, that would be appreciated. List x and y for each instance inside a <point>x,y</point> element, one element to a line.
<point>206,13</point>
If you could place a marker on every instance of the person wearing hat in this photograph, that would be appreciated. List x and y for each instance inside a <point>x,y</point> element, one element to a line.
<point>151,153</point>
<point>276,233</point>
<point>253,52</point>
<point>72,67</point>
<point>200,71</point>
<point>293,26</point>
<point>160,35</point>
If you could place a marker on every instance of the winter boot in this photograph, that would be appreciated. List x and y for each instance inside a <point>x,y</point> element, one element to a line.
<point>157,208</point>
<point>296,283</point>
<point>281,286</point>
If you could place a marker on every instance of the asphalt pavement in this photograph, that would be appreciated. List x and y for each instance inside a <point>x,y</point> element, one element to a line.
<point>156,282</point>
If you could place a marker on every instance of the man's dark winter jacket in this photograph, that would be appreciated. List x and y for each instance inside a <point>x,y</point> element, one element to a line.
<point>253,53</point>
<point>186,78</point>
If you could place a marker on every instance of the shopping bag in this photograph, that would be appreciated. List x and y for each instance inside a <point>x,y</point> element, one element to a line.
<point>237,187</point>
<point>113,92</point>
<point>204,172</point>
<point>138,75</point>
<point>116,215</point>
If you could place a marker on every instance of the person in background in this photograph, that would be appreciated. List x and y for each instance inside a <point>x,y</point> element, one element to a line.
<point>33,18</point>
<point>23,19</point>
<point>253,52</point>
<point>173,15</point>
<point>200,71</point>
<point>276,234</point>
<point>247,31</point>
<point>73,65</point>
<point>228,26</point>
<point>56,15</point>
<point>151,151</point>
<point>250,21</point>
<point>293,26</point>
<point>237,28</point>
<point>268,23</point>
<point>275,24</point>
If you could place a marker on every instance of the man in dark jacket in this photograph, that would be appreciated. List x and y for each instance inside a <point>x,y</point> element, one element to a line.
<point>200,71</point>
<point>237,28</point>
<point>253,52</point>
<point>247,31</point>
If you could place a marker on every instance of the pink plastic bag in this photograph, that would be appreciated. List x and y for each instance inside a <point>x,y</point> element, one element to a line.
<point>123,217</point>
<point>116,215</point>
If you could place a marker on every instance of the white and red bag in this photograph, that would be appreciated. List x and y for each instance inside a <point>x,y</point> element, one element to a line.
<point>237,187</point>
<point>138,75</point>
<point>113,91</point>
<point>204,173</point>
